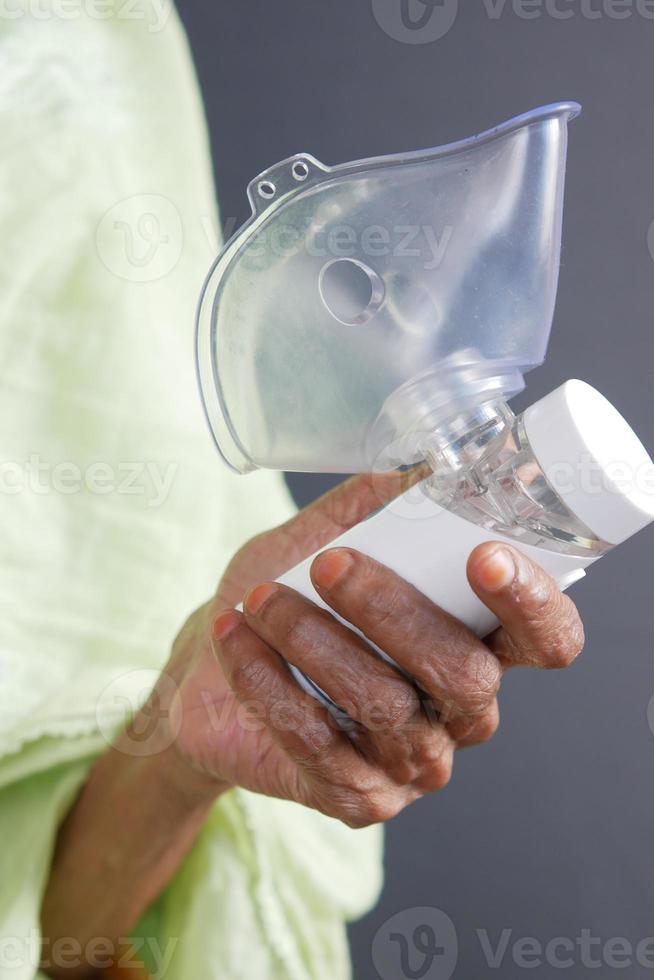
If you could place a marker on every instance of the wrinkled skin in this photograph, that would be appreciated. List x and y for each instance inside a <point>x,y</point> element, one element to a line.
<point>243,721</point>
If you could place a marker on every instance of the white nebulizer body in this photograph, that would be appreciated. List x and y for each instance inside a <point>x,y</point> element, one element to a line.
<point>564,482</point>
<point>381,313</point>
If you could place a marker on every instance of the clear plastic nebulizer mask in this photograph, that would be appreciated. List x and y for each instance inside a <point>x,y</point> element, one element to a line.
<point>381,313</point>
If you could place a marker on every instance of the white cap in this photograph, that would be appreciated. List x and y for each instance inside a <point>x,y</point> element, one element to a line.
<point>593,459</point>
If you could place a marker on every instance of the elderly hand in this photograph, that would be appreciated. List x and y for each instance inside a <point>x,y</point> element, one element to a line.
<point>227,712</point>
<point>244,721</point>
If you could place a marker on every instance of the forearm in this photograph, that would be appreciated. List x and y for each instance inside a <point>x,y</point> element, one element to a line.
<point>129,830</point>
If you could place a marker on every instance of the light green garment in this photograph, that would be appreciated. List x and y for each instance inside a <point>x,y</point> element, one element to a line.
<point>117,514</point>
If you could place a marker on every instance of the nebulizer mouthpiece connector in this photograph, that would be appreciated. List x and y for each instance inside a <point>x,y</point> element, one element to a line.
<point>569,474</point>
<point>437,410</point>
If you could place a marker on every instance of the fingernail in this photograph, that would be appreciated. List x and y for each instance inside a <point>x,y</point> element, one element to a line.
<point>331,566</point>
<point>496,571</point>
<point>256,597</point>
<point>225,624</point>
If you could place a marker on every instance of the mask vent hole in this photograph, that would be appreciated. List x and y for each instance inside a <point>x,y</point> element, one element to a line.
<point>300,170</point>
<point>351,291</point>
<point>266,189</point>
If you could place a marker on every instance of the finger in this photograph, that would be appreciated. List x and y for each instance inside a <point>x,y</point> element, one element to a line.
<point>346,505</point>
<point>393,730</point>
<point>449,663</point>
<point>258,676</point>
<point>334,777</point>
<point>479,730</point>
<point>282,547</point>
<point>540,626</point>
<point>335,658</point>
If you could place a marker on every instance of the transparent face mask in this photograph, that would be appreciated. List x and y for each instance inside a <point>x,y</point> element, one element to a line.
<point>366,303</point>
<point>380,313</point>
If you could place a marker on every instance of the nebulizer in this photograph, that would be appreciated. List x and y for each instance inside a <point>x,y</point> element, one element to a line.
<point>381,313</point>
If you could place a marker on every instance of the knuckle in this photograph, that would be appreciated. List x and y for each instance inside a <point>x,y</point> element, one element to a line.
<point>378,595</point>
<point>249,677</point>
<point>558,655</point>
<point>299,628</point>
<point>487,727</point>
<point>577,638</point>
<point>566,640</point>
<point>437,774</point>
<point>400,705</point>
<point>355,821</point>
<point>478,681</point>
<point>562,653</point>
<point>377,606</point>
<point>366,797</point>
<point>363,783</point>
<point>304,632</point>
<point>552,631</point>
<point>374,809</point>
<point>538,594</point>
<point>482,730</point>
<point>313,744</point>
<point>432,749</point>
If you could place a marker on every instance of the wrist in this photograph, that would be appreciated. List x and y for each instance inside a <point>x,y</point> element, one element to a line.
<point>135,819</point>
<point>157,751</point>
<point>191,784</point>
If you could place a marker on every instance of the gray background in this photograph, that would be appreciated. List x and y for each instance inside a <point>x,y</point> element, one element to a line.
<point>549,830</point>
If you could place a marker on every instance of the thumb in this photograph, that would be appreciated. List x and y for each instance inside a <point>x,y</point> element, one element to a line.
<point>343,507</point>
<point>267,556</point>
<point>540,626</point>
